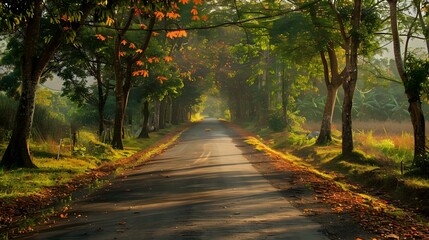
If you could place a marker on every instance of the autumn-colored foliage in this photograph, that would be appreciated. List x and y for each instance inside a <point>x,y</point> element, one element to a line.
<point>160,15</point>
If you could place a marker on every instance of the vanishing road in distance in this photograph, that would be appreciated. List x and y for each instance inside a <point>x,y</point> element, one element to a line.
<point>201,188</point>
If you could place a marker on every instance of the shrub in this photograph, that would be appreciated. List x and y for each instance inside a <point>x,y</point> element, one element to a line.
<point>276,122</point>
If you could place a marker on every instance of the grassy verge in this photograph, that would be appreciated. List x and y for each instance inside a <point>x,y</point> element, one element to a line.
<point>333,179</point>
<point>52,172</point>
<point>379,163</point>
<point>24,193</point>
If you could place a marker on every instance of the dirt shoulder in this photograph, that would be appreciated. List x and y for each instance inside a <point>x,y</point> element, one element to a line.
<point>343,213</point>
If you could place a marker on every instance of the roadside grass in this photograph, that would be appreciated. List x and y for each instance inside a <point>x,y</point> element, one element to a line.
<point>90,154</point>
<point>380,162</point>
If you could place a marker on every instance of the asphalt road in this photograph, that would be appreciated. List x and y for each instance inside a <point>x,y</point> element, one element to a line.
<point>202,188</point>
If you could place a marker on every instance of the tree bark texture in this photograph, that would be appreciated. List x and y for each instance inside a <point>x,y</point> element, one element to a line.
<point>102,97</point>
<point>157,115</point>
<point>325,135</point>
<point>415,110</point>
<point>349,85</point>
<point>119,96</point>
<point>333,80</point>
<point>162,113</point>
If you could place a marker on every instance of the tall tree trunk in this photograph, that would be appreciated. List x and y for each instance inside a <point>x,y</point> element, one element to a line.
<point>284,95</point>
<point>333,80</point>
<point>349,85</point>
<point>415,110</point>
<point>175,112</point>
<point>157,115</point>
<point>126,93</point>
<point>418,121</point>
<point>162,113</point>
<point>102,97</point>
<point>169,110</point>
<point>145,127</point>
<point>347,130</point>
<point>17,154</point>
<point>119,95</point>
<point>325,135</point>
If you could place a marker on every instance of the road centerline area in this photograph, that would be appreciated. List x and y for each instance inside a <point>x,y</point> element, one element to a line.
<point>202,188</point>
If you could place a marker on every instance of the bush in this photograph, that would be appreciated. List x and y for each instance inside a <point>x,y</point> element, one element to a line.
<point>276,122</point>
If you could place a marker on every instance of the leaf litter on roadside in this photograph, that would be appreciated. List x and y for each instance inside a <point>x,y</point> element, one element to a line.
<point>373,214</point>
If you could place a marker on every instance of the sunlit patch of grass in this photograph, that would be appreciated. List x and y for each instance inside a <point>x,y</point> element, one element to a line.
<point>53,172</point>
<point>73,164</point>
<point>355,168</point>
<point>417,182</point>
<point>327,153</point>
<point>25,182</point>
<point>262,147</point>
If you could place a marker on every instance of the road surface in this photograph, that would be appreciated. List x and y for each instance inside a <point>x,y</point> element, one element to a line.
<point>202,188</point>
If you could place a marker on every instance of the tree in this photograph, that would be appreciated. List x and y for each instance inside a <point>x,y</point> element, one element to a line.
<point>38,48</point>
<point>414,73</point>
<point>78,63</point>
<point>352,43</point>
<point>307,35</point>
<point>125,63</point>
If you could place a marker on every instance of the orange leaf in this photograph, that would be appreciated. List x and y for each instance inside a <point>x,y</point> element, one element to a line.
<point>194,11</point>
<point>139,51</point>
<point>184,1</point>
<point>161,79</point>
<point>204,18</point>
<point>155,34</point>
<point>139,63</point>
<point>195,18</point>
<point>122,54</point>
<point>143,26</point>
<point>153,59</point>
<point>100,37</point>
<point>132,46</point>
<point>159,15</point>
<point>124,42</point>
<point>168,59</point>
<point>176,34</point>
<point>173,15</point>
<point>144,73</point>
<point>198,2</point>
<point>182,33</point>
<point>172,34</point>
<point>135,73</point>
<point>174,6</point>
